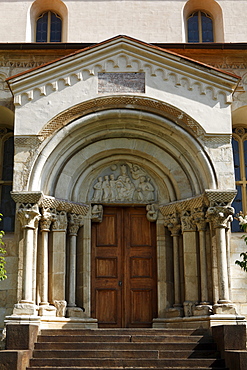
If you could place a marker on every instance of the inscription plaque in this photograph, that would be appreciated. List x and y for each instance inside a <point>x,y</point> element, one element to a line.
<point>129,82</point>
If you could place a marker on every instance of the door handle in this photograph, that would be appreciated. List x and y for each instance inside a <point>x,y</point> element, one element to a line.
<point>120,283</point>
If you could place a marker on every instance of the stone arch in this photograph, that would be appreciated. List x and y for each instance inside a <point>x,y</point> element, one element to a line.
<point>70,160</point>
<point>239,116</point>
<point>131,102</point>
<point>39,6</point>
<point>6,117</point>
<point>209,6</point>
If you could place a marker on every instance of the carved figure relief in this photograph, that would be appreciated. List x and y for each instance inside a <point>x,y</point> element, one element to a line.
<point>124,183</point>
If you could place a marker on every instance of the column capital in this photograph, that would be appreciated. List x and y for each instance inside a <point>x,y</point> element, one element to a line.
<point>47,217</point>
<point>173,223</point>
<point>75,222</point>
<point>60,223</point>
<point>219,216</point>
<point>187,221</point>
<point>200,218</point>
<point>28,215</point>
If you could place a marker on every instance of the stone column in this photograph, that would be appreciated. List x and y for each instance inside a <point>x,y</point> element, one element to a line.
<point>199,217</point>
<point>57,268</point>
<point>28,215</point>
<point>190,262</point>
<point>174,226</point>
<point>219,216</point>
<point>75,222</point>
<point>48,216</point>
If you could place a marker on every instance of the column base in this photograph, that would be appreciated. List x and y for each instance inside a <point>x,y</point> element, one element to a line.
<point>202,310</point>
<point>47,310</point>
<point>174,312</point>
<point>75,312</point>
<point>224,309</point>
<point>29,309</point>
<point>189,307</point>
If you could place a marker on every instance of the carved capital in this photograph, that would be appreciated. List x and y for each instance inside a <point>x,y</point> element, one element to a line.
<point>28,215</point>
<point>152,213</point>
<point>75,222</point>
<point>220,216</point>
<point>47,217</point>
<point>172,222</point>
<point>200,218</point>
<point>187,221</point>
<point>60,223</point>
<point>97,213</point>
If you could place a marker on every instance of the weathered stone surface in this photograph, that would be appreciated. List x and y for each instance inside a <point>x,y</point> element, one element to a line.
<point>14,360</point>
<point>230,337</point>
<point>20,337</point>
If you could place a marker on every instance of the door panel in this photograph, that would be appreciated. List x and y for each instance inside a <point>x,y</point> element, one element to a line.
<point>124,269</point>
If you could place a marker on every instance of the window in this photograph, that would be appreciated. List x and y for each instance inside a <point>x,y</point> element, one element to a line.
<point>49,27</point>
<point>200,27</point>
<point>239,144</point>
<point>7,205</point>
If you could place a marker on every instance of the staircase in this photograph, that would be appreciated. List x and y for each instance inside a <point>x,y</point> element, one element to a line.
<point>143,349</point>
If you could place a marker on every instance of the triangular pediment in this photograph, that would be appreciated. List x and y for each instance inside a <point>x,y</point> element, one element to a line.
<point>123,55</point>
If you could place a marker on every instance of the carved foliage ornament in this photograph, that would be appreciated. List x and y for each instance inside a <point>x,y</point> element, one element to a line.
<point>123,183</point>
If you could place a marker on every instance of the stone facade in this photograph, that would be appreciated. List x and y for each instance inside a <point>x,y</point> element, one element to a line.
<point>124,123</point>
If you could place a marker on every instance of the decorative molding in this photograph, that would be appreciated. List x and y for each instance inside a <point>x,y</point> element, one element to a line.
<point>214,141</point>
<point>167,72</point>
<point>122,101</point>
<point>49,202</point>
<point>210,198</point>
<point>32,197</point>
<point>64,205</point>
<point>123,183</point>
<point>220,198</point>
<point>183,205</point>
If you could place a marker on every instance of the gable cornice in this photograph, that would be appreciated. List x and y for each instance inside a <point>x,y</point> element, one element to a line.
<point>138,57</point>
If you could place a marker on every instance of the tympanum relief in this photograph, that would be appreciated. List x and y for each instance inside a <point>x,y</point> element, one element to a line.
<point>123,183</point>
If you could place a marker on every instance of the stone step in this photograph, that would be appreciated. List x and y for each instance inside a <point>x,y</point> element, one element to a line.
<point>123,338</point>
<point>124,331</point>
<point>120,368</point>
<point>106,362</point>
<point>155,354</point>
<point>124,346</point>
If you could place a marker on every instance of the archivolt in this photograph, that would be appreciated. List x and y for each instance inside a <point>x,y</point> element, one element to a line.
<point>71,159</point>
<point>122,101</point>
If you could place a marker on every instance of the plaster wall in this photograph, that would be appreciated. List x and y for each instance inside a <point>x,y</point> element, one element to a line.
<point>151,21</point>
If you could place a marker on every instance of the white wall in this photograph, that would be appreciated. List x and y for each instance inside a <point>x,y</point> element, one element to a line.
<point>94,21</point>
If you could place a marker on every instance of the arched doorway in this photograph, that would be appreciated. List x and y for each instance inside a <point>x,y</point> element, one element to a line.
<point>96,145</point>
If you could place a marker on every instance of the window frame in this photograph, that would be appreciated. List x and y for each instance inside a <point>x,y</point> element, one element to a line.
<point>49,14</point>
<point>243,178</point>
<point>5,134</point>
<point>200,11</point>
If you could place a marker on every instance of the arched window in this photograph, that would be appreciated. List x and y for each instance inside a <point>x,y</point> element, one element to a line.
<point>200,27</point>
<point>239,145</point>
<point>49,27</point>
<point>7,205</point>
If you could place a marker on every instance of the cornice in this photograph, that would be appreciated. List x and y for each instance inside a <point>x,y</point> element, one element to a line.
<point>124,56</point>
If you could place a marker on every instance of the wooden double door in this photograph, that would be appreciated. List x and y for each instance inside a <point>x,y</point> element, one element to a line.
<point>124,273</point>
